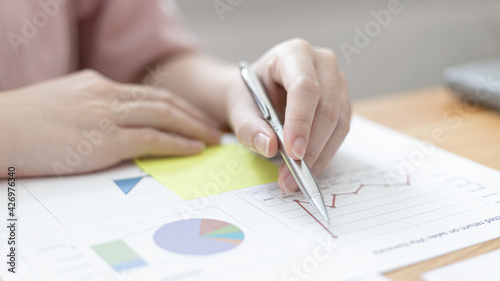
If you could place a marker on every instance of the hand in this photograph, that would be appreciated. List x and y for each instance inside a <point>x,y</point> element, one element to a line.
<point>304,84</point>
<point>84,122</point>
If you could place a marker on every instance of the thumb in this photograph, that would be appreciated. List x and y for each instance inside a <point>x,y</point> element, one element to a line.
<point>250,128</point>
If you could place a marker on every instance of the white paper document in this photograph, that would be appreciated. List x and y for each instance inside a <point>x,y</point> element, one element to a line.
<point>392,201</point>
<point>371,277</point>
<point>484,267</point>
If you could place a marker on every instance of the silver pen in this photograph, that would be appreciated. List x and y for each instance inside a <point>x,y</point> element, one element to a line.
<point>300,171</point>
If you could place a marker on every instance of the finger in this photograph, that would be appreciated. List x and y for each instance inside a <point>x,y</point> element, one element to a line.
<point>136,142</point>
<point>187,107</point>
<point>295,70</point>
<point>345,99</point>
<point>341,130</point>
<point>167,117</point>
<point>332,146</point>
<point>249,126</point>
<point>285,179</point>
<point>281,168</point>
<point>149,93</point>
<point>329,109</point>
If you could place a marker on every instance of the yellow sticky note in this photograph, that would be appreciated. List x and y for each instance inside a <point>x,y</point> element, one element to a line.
<point>217,169</point>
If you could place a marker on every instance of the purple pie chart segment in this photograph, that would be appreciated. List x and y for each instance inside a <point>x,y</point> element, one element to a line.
<point>198,236</point>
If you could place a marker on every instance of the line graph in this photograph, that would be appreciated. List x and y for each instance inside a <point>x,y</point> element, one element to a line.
<point>334,198</point>
<point>320,223</point>
<point>370,201</point>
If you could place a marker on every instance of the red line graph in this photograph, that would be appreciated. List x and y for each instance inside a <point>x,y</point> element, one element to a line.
<point>334,197</point>
<point>304,208</point>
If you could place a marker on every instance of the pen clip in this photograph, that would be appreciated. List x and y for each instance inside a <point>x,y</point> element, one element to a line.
<point>255,88</point>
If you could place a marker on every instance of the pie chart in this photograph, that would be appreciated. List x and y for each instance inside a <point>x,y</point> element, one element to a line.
<point>198,236</point>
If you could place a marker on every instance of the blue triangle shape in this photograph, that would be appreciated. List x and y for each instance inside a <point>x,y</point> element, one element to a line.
<point>126,185</point>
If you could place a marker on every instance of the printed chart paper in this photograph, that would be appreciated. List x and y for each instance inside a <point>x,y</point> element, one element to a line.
<point>392,201</point>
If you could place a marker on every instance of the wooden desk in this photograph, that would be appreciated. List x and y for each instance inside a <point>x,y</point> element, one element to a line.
<point>471,131</point>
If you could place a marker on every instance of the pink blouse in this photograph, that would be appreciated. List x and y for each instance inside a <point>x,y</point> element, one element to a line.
<point>43,39</point>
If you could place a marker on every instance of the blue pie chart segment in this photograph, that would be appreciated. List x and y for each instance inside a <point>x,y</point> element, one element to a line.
<point>198,236</point>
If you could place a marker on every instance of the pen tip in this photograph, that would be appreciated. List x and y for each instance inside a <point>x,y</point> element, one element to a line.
<point>317,201</point>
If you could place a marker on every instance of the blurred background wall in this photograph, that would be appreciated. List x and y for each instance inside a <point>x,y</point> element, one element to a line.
<point>409,52</point>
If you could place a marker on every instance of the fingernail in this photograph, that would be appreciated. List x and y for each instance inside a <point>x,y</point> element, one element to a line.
<point>261,144</point>
<point>289,183</point>
<point>299,147</point>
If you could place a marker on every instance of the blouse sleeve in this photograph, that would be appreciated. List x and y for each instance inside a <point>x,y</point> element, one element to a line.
<point>119,38</point>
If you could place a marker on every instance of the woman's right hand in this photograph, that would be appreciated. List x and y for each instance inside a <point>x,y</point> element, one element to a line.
<point>84,122</point>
